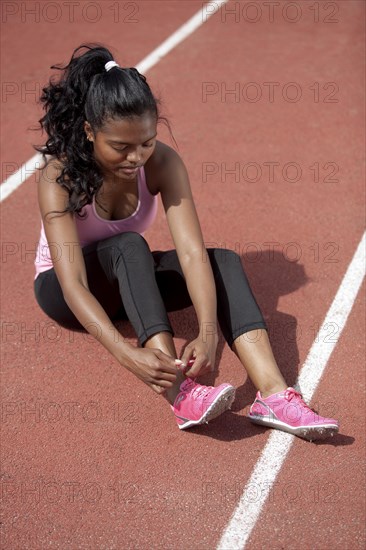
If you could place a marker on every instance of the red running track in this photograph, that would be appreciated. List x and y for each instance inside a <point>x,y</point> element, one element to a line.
<point>90,457</point>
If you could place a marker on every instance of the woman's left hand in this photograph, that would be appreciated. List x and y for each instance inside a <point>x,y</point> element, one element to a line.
<point>203,352</point>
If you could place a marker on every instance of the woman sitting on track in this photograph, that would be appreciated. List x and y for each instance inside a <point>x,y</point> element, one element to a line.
<point>98,195</point>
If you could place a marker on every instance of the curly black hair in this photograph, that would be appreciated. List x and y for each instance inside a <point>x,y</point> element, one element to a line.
<point>86,91</point>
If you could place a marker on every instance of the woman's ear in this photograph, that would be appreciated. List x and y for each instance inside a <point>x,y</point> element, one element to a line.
<point>88,131</point>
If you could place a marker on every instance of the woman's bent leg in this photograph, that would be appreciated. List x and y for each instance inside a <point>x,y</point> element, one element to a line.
<point>132,264</point>
<point>239,315</point>
<point>255,352</point>
<point>120,272</point>
<point>242,322</point>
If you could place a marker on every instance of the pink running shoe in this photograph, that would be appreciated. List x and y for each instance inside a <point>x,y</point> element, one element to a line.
<point>197,404</point>
<point>287,411</point>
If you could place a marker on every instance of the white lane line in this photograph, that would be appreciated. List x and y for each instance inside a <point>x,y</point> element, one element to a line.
<point>207,10</point>
<point>279,443</point>
<point>181,34</point>
<point>19,177</point>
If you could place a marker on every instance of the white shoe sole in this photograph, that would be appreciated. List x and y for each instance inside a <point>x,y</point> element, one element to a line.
<point>321,431</point>
<point>221,404</point>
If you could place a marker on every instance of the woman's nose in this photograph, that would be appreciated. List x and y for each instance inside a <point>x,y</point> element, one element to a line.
<point>134,156</point>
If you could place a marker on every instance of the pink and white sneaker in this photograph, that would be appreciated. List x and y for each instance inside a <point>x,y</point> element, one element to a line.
<point>197,404</point>
<point>287,411</point>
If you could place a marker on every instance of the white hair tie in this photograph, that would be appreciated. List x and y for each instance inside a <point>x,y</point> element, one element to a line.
<point>108,66</point>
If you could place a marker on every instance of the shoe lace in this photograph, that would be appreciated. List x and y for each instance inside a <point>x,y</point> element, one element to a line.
<point>291,394</point>
<point>200,391</point>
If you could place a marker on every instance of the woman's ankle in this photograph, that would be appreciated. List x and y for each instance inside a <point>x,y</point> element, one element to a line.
<point>171,393</point>
<point>267,391</point>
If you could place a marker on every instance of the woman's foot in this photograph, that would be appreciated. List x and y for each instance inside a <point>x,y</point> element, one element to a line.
<point>287,411</point>
<point>196,404</point>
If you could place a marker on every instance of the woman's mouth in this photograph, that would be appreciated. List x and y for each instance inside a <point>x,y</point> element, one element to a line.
<point>128,169</point>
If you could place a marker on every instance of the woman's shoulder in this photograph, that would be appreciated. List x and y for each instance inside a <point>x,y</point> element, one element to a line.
<point>52,165</point>
<point>49,171</point>
<point>163,160</point>
<point>47,181</point>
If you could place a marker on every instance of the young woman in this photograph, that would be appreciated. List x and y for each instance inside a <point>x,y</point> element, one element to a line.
<point>98,192</point>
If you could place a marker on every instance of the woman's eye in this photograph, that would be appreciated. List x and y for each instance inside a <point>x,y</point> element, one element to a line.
<point>123,149</point>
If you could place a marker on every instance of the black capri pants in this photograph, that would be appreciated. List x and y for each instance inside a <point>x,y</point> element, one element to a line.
<point>132,283</point>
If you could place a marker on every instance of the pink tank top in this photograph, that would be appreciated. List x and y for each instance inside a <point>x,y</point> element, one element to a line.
<point>92,227</point>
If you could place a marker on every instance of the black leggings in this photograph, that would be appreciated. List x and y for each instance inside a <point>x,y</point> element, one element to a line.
<point>131,282</point>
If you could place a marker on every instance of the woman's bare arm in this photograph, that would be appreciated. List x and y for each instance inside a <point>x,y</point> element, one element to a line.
<point>68,261</point>
<point>170,177</point>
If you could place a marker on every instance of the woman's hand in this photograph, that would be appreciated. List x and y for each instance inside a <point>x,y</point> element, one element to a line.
<point>203,351</point>
<point>152,366</point>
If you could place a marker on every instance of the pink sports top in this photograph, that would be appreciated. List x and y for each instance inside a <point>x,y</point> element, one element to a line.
<point>93,228</point>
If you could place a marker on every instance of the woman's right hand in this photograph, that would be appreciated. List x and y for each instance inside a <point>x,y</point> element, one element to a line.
<point>157,369</point>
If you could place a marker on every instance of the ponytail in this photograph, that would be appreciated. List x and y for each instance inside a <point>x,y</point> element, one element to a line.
<point>87,90</point>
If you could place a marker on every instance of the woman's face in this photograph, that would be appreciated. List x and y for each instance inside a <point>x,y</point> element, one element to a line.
<point>123,145</point>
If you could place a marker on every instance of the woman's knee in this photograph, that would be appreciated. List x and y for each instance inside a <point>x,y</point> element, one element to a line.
<point>130,244</point>
<point>222,257</point>
<point>128,238</point>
